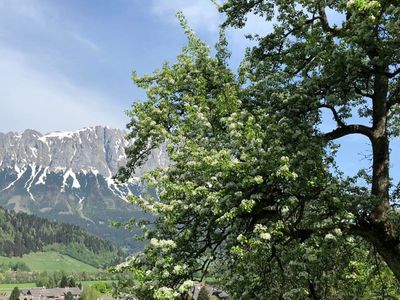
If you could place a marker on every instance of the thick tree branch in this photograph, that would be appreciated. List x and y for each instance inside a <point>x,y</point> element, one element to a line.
<point>344,129</point>
<point>325,24</point>
<point>349,129</point>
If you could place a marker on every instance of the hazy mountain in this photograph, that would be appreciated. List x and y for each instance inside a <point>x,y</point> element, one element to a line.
<point>66,176</point>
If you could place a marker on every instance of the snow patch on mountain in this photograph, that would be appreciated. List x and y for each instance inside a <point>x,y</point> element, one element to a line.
<point>67,176</point>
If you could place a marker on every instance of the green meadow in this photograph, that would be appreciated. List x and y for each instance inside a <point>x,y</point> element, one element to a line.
<point>7,287</point>
<point>50,262</point>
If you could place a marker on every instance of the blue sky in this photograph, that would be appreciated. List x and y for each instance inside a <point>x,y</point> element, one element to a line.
<point>65,65</point>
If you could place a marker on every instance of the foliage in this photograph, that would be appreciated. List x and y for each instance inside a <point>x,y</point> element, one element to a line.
<point>254,197</point>
<point>15,294</point>
<point>90,293</point>
<point>67,281</point>
<point>103,287</point>
<point>63,282</point>
<point>46,280</point>
<point>68,296</point>
<point>14,266</point>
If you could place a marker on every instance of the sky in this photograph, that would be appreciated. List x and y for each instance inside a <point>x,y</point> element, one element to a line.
<point>65,65</point>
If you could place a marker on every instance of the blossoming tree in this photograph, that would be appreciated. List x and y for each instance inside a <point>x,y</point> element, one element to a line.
<point>253,199</point>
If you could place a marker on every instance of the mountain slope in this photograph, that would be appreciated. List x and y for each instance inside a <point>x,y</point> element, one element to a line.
<point>21,234</point>
<point>66,176</point>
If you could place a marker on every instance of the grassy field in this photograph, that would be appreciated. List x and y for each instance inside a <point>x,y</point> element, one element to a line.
<point>90,283</point>
<point>50,262</point>
<point>8,287</point>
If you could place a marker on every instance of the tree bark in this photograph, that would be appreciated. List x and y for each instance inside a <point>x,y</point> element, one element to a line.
<point>378,230</point>
<point>381,236</point>
<point>380,147</point>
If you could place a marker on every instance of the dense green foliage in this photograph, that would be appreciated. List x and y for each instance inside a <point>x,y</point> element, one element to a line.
<point>21,233</point>
<point>13,266</point>
<point>103,287</point>
<point>15,294</point>
<point>68,296</point>
<point>254,197</point>
<point>90,293</point>
<point>66,282</point>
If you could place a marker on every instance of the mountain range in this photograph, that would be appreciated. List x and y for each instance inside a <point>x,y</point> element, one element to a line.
<point>67,177</point>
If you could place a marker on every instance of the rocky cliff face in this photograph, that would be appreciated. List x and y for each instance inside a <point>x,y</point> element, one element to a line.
<point>66,176</point>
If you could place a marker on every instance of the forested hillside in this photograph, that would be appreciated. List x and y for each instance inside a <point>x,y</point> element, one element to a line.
<point>21,233</point>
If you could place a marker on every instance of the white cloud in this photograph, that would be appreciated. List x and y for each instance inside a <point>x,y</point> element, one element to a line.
<point>202,15</point>
<point>47,101</point>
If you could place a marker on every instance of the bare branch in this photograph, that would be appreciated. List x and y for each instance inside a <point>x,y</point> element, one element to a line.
<point>335,114</point>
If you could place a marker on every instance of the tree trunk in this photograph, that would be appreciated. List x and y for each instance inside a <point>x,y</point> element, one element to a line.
<point>380,147</point>
<point>378,230</point>
<point>385,242</point>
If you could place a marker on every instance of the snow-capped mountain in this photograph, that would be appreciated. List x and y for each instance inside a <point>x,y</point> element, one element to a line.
<point>66,176</point>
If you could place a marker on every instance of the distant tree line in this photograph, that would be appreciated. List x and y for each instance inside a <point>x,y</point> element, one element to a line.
<point>21,233</point>
<point>14,266</point>
<point>61,280</point>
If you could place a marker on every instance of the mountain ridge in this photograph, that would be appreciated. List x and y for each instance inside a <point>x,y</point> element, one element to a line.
<point>67,177</point>
<point>33,147</point>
